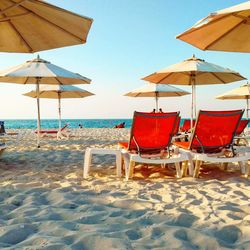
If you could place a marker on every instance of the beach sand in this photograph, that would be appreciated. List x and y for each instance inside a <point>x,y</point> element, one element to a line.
<point>45,203</point>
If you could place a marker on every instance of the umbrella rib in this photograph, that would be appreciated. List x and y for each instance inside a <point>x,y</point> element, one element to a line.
<point>12,6</point>
<point>164,77</point>
<point>53,24</point>
<point>26,80</point>
<point>58,81</point>
<point>217,77</point>
<point>19,34</point>
<point>7,18</point>
<point>226,33</point>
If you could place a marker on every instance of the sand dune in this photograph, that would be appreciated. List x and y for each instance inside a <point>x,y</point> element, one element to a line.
<point>45,203</point>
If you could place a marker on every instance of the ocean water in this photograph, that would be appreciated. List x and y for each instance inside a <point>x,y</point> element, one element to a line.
<point>73,123</point>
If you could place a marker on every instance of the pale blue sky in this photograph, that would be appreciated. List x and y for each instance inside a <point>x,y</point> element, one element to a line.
<point>129,39</point>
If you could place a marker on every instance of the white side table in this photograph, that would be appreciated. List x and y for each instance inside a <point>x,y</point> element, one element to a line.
<point>101,151</point>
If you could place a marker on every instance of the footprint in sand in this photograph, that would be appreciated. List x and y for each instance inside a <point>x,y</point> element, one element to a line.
<point>229,234</point>
<point>116,214</point>
<point>185,220</point>
<point>17,234</point>
<point>156,233</point>
<point>134,234</point>
<point>156,197</point>
<point>181,235</point>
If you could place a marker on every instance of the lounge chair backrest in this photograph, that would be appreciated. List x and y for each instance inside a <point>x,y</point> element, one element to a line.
<point>242,125</point>
<point>215,130</point>
<point>177,125</point>
<point>186,125</point>
<point>152,132</point>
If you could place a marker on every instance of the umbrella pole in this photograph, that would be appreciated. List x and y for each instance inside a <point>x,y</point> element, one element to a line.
<point>247,108</point>
<point>157,103</point>
<point>38,112</point>
<point>60,118</point>
<point>193,101</point>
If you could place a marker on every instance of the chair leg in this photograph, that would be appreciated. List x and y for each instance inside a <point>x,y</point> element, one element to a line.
<point>197,168</point>
<point>118,164</point>
<point>190,165</point>
<point>130,169</point>
<point>247,170</point>
<point>225,166</point>
<point>178,170</point>
<point>242,167</point>
<point>123,164</point>
<point>184,168</point>
<point>87,163</point>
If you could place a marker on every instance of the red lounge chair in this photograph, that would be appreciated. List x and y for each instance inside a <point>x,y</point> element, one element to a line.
<point>177,126</point>
<point>150,139</point>
<point>186,125</point>
<point>59,133</point>
<point>213,138</point>
<point>242,125</point>
<point>177,136</point>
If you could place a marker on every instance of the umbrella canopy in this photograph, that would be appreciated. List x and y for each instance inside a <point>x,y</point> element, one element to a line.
<point>194,71</point>
<point>39,71</point>
<point>46,72</point>
<point>224,30</point>
<point>59,92</point>
<point>243,92</point>
<point>157,90</point>
<point>29,26</point>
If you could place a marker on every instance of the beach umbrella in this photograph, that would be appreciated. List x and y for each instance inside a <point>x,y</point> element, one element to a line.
<point>39,71</point>
<point>157,91</point>
<point>194,71</point>
<point>59,92</point>
<point>29,26</point>
<point>223,30</point>
<point>243,92</point>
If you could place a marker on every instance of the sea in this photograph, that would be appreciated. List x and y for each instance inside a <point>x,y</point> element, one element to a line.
<point>73,123</point>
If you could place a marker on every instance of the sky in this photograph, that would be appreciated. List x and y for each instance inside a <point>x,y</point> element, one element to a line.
<point>129,39</point>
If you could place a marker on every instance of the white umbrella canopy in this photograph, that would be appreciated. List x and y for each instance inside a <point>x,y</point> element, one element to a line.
<point>39,71</point>
<point>243,92</point>
<point>59,92</point>
<point>223,30</point>
<point>194,71</point>
<point>157,90</point>
<point>48,73</point>
<point>29,26</point>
